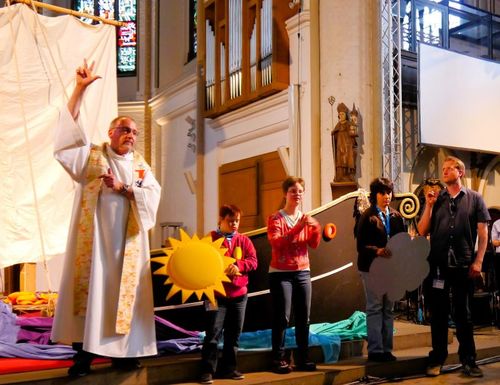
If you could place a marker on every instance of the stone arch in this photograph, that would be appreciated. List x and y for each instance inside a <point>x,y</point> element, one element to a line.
<point>489,185</point>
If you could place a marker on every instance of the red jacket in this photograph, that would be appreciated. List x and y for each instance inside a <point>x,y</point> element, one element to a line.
<point>247,263</point>
<point>289,245</point>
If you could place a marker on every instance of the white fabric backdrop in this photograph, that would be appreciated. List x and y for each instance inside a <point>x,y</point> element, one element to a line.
<point>29,78</point>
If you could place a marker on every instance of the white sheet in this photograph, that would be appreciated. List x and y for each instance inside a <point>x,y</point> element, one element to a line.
<point>28,42</point>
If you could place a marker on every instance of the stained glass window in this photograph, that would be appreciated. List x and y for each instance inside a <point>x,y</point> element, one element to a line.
<point>192,29</point>
<point>106,9</point>
<point>126,44</point>
<point>86,6</point>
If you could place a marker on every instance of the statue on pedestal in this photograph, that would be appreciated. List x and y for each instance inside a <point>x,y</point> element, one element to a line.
<point>344,144</point>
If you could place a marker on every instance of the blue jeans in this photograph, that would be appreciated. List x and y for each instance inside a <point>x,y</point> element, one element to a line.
<point>286,289</point>
<point>227,319</point>
<point>461,287</point>
<point>379,319</point>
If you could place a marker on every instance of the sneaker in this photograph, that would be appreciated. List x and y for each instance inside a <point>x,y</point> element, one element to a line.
<point>234,375</point>
<point>433,370</point>
<point>307,366</point>
<point>206,378</point>
<point>472,370</point>
<point>281,367</point>
<point>389,357</point>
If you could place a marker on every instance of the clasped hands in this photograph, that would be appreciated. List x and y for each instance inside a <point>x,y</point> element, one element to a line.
<point>306,220</point>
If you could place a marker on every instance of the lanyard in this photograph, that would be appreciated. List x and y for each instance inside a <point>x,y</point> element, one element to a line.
<point>385,220</point>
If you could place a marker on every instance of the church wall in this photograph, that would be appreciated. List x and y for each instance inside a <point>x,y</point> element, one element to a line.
<point>304,111</point>
<point>350,72</point>
<point>491,186</point>
<point>173,39</point>
<point>173,107</point>
<point>257,129</point>
<point>348,52</point>
<point>247,132</point>
<point>174,111</point>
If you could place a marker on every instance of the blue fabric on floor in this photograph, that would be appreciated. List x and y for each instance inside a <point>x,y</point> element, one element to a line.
<point>353,328</point>
<point>261,340</point>
<point>326,335</point>
<point>179,345</point>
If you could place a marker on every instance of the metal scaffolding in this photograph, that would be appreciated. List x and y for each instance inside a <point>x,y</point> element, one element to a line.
<point>391,92</point>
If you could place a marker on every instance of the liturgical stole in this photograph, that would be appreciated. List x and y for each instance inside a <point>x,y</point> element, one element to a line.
<point>98,165</point>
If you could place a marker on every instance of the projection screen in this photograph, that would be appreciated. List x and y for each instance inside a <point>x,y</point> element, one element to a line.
<point>459,100</point>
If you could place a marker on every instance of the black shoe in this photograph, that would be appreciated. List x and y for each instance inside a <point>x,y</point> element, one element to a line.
<point>234,375</point>
<point>281,367</point>
<point>377,357</point>
<point>206,378</point>
<point>127,363</point>
<point>79,369</point>
<point>307,366</point>
<point>82,361</point>
<point>472,370</point>
<point>389,357</point>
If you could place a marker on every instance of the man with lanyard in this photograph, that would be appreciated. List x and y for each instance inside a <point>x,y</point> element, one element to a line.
<point>454,219</point>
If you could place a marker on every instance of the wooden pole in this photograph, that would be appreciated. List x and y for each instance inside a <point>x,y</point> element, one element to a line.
<point>67,11</point>
<point>148,29</point>
<point>148,32</point>
<point>200,121</point>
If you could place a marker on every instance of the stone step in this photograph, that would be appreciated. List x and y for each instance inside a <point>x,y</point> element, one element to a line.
<point>411,342</point>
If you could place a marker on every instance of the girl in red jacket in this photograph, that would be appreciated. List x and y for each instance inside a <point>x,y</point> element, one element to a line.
<point>290,233</point>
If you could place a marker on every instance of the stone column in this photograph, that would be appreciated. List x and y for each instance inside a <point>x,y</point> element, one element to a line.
<point>303,100</point>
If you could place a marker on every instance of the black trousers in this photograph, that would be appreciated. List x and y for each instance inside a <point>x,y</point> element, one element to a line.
<point>228,320</point>
<point>289,288</point>
<point>461,288</point>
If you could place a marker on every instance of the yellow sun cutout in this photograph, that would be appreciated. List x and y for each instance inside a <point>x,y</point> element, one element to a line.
<point>196,266</point>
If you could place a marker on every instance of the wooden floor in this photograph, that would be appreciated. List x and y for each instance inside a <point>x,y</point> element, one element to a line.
<point>411,347</point>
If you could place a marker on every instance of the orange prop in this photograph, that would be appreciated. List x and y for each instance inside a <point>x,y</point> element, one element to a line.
<point>329,232</point>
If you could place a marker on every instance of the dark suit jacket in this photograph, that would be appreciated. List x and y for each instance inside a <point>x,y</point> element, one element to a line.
<point>371,234</point>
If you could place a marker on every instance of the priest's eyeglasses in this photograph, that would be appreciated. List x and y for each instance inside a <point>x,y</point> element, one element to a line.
<point>127,130</point>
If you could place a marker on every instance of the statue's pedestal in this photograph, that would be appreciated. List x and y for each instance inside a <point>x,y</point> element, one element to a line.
<point>342,188</point>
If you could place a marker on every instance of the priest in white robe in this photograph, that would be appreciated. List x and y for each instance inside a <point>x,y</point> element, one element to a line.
<point>106,299</point>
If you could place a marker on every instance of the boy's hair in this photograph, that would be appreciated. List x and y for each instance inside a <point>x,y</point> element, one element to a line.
<point>380,185</point>
<point>231,210</point>
<point>290,181</point>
